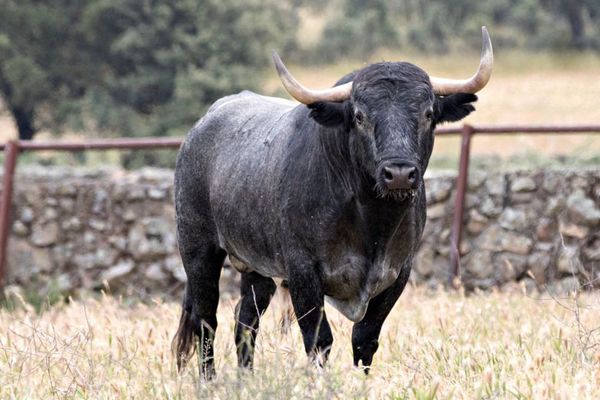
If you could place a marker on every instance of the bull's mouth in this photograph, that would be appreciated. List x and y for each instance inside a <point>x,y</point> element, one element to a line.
<point>400,194</point>
<point>396,194</point>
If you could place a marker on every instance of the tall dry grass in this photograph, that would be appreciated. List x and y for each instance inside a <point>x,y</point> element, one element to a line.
<point>434,345</point>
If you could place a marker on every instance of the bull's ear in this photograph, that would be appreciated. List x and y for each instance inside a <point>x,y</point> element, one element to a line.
<point>455,107</point>
<point>328,114</point>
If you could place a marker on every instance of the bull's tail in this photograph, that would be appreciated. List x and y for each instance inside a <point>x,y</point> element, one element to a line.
<point>183,345</point>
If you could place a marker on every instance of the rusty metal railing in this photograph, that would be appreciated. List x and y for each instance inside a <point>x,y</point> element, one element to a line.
<point>12,149</point>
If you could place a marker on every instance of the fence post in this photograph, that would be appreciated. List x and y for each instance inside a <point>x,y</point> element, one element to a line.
<point>459,203</point>
<point>11,151</point>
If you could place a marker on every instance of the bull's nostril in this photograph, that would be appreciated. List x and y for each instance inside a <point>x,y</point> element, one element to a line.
<point>412,175</point>
<point>387,174</point>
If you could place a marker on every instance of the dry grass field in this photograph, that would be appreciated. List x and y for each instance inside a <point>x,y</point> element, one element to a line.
<point>435,345</point>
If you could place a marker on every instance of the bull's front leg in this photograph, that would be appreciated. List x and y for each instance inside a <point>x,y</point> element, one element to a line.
<point>306,291</point>
<point>365,334</point>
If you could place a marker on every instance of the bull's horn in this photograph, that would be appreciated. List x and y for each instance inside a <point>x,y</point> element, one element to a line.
<point>474,84</point>
<point>305,95</point>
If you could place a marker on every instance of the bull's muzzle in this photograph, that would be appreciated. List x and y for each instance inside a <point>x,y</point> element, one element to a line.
<point>401,176</point>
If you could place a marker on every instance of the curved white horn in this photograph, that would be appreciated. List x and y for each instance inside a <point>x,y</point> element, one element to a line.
<point>305,95</point>
<point>444,86</point>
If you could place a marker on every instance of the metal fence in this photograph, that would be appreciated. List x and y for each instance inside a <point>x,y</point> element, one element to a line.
<point>12,149</point>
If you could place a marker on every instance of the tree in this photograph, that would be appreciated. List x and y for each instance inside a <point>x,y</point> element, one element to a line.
<point>132,67</point>
<point>574,11</point>
<point>41,65</point>
<point>358,30</point>
<point>165,62</point>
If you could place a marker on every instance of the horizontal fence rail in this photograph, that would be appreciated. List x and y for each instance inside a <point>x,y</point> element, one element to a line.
<point>12,149</point>
<point>99,144</point>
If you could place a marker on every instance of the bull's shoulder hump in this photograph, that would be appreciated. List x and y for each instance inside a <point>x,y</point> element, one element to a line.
<point>253,100</point>
<point>229,115</point>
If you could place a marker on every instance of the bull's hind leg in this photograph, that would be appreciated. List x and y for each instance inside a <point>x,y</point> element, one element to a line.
<point>256,291</point>
<point>365,334</point>
<point>202,261</point>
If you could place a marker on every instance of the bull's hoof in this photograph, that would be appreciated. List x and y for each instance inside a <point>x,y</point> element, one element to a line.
<point>364,353</point>
<point>208,373</point>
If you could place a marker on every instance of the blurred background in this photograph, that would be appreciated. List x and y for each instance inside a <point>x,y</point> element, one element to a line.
<point>106,68</point>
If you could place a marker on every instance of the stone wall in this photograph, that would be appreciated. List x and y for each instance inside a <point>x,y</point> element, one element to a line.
<point>538,227</point>
<point>114,230</point>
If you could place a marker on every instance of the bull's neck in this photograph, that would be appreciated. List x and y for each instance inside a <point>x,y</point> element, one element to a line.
<point>381,219</point>
<point>342,167</point>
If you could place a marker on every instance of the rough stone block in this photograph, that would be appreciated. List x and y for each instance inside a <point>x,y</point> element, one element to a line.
<point>513,219</point>
<point>568,260</point>
<point>582,209</point>
<point>43,235</point>
<point>480,264</point>
<point>523,184</point>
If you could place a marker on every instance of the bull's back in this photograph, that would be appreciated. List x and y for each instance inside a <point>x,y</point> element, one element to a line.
<point>232,132</point>
<point>234,122</point>
<point>231,163</point>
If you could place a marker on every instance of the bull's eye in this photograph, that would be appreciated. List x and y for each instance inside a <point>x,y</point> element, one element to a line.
<point>429,115</point>
<point>359,118</point>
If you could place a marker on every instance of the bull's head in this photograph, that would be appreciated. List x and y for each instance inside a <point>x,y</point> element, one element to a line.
<point>391,110</point>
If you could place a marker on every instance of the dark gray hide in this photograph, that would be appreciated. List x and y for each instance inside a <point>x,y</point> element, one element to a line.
<point>304,194</point>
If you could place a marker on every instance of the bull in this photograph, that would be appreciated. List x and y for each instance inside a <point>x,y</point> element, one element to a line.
<point>327,195</point>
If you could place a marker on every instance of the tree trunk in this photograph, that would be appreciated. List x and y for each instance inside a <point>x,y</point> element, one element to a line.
<point>574,14</point>
<point>22,114</point>
<point>24,120</point>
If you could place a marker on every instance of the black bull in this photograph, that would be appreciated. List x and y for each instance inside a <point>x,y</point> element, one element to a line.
<point>328,196</point>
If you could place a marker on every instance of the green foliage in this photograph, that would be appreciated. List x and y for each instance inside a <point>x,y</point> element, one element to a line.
<point>12,300</point>
<point>37,41</point>
<point>361,27</point>
<point>133,67</point>
<point>358,30</point>
<point>167,61</point>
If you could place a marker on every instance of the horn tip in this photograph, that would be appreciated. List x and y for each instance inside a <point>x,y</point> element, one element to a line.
<point>485,33</point>
<point>279,66</point>
<point>487,41</point>
<point>487,51</point>
<point>275,56</point>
